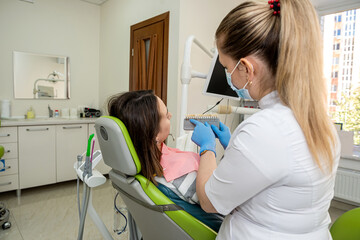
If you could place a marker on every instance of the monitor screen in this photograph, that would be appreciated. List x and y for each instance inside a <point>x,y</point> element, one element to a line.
<point>216,84</point>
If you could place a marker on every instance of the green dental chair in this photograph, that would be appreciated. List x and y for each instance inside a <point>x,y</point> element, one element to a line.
<point>155,216</point>
<point>347,226</point>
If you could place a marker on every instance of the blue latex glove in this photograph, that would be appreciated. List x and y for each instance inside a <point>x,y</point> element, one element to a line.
<point>223,133</point>
<point>203,136</point>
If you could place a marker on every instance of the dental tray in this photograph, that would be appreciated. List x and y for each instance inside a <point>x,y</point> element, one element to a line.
<point>211,119</point>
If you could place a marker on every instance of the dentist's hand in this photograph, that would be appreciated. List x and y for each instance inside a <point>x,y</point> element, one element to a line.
<point>203,136</point>
<point>223,133</point>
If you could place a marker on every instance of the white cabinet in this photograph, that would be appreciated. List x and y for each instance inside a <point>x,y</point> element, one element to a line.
<point>9,178</point>
<point>70,141</point>
<point>101,166</point>
<point>36,155</point>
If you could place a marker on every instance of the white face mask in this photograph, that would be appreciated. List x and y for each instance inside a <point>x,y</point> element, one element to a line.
<point>243,92</point>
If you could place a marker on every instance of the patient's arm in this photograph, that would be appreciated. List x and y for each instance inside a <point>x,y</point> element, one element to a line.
<point>206,168</point>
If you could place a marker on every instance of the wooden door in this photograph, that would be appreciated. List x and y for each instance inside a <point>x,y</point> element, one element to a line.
<point>149,55</point>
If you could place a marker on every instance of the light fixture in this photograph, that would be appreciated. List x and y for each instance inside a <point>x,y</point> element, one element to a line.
<point>96,2</point>
<point>29,1</point>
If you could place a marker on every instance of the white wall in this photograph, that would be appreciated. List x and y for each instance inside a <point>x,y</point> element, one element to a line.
<point>201,19</point>
<point>97,40</point>
<point>68,28</point>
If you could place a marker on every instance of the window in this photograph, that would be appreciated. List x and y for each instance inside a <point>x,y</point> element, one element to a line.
<point>344,91</point>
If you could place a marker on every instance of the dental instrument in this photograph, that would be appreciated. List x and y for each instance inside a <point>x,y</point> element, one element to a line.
<point>232,109</point>
<point>88,171</point>
<point>91,178</point>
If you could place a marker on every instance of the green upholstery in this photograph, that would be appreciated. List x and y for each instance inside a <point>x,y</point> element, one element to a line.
<point>1,151</point>
<point>192,226</point>
<point>347,226</point>
<point>195,228</point>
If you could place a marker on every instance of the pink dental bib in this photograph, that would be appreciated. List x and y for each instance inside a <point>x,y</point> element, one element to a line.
<point>177,163</point>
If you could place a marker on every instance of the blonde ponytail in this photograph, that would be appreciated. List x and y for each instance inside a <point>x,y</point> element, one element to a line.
<point>299,77</point>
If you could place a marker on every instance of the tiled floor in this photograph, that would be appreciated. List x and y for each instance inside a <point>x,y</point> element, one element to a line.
<point>50,212</point>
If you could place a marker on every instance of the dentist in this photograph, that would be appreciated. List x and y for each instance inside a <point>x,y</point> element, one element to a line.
<point>276,178</point>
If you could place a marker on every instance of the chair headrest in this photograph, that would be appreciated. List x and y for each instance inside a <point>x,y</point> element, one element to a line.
<point>116,146</point>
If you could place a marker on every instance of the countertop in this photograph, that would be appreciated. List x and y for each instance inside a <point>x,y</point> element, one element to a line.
<point>44,121</point>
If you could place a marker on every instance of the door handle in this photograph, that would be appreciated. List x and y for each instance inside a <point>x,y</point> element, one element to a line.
<point>5,135</point>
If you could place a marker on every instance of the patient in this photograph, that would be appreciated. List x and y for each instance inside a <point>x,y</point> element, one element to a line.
<point>147,120</point>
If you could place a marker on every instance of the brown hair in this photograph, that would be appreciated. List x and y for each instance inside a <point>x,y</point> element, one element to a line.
<point>291,47</point>
<point>138,110</point>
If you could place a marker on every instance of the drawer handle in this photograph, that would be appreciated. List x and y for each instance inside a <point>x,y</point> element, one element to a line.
<point>37,129</point>
<point>4,184</point>
<point>5,135</point>
<point>7,151</point>
<point>72,127</point>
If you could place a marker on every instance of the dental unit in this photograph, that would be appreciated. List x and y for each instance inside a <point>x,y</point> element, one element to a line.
<point>91,178</point>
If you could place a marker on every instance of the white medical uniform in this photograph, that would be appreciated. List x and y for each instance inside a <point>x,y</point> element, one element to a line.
<point>268,184</point>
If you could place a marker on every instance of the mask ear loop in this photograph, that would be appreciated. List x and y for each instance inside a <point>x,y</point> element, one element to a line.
<point>235,67</point>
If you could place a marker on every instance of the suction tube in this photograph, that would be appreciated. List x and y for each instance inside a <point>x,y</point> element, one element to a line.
<point>86,194</point>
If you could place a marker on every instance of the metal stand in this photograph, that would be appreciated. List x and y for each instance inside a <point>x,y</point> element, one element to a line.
<point>96,179</point>
<point>97,220</point>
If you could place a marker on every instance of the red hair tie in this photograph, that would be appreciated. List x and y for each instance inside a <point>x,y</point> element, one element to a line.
<point>275,6</point>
